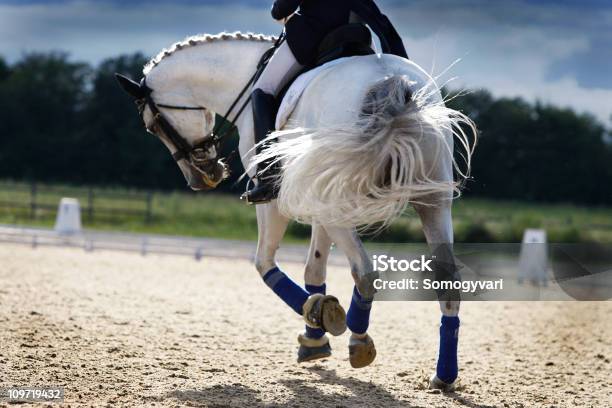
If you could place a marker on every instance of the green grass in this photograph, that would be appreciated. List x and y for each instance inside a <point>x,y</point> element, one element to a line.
<point>222,216</point>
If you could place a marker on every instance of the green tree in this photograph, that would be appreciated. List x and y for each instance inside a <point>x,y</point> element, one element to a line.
<point>536,152</point>
<point>4,70</point>
<point>40,102</point>
<point>121,151</point>
<point>64,121</point>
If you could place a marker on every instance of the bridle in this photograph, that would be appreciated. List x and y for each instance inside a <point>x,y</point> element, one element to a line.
<point>203,155</point>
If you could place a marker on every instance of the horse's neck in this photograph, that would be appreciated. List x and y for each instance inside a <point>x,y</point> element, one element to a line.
<point>209,74</point>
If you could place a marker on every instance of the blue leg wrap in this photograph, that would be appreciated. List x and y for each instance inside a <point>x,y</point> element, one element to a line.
<point>310,332</point>
<point>286,289</point>
<point>447,369</point>
<point>358,316</point>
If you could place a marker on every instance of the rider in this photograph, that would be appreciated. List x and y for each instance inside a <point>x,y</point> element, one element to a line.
<point>305,29</point>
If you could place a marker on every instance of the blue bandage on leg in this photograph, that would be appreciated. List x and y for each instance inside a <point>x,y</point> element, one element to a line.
<point>310,332</point>
<point>447,369</point>
<point>358,316</point>
<point>291,293</point>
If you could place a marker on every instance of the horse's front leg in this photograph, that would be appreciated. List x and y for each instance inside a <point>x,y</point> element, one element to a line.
<point>271,228</point>
<point>361,346</point>
<point>319,311</point>
<point>314,344</point>
<point>438,229</point>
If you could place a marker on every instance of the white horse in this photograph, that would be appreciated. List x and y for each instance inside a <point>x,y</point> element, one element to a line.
<point>368,137</point>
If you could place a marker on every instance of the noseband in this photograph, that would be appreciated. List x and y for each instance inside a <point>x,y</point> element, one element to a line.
<point>202,155</point>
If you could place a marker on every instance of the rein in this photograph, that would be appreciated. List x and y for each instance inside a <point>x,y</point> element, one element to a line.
<point>261,65</point>
<point>203,154</point>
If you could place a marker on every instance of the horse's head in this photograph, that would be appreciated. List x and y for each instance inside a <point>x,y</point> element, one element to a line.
<point>187,132</point>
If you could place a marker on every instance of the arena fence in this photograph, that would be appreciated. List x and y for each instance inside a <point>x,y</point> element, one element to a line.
<point>32,200</point>
<point>198,248</point>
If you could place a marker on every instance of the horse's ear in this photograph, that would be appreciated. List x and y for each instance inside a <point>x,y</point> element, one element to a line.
<point>131,87</point>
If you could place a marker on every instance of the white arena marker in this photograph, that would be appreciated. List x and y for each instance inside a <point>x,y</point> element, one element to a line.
<point>68,219</point>
<point>533,263</point>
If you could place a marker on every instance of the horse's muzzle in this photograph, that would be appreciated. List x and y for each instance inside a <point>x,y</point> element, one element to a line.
<point>209,177</point>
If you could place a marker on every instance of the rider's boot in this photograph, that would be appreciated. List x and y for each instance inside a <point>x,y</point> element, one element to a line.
<point>264,117</point>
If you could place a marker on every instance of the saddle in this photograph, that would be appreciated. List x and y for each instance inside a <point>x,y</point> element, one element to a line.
<point>350,40</point>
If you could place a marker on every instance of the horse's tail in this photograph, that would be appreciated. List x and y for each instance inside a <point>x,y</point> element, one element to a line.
<point>367,173</point>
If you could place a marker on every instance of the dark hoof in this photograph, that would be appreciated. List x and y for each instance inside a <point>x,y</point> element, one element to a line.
<point>313,349</point>
<point>361,352</point>
<point>313,353</point>
<point>334,317</point>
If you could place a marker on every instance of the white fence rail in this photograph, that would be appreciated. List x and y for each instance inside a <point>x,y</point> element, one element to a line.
<point>198,248</point>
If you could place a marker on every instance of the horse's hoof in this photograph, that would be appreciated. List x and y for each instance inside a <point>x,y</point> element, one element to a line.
<point>361,351</point>
<point>437,384</point>
<point>313,349</point>
<point>324,312</point>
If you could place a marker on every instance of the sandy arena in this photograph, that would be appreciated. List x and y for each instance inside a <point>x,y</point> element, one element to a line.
<point>119,329</point>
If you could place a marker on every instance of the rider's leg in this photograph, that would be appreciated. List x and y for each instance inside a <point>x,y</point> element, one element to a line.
<point>438,229</point>
<point>361,347</point>
<point>317,310</point>
<point>281,68</point>
<point>313,343</point>
<point>264,116</point>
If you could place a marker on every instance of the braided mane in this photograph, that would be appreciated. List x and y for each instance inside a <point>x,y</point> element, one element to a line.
<point>200,39</point>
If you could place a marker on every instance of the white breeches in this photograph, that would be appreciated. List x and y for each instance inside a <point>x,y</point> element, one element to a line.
<point>280,70</point>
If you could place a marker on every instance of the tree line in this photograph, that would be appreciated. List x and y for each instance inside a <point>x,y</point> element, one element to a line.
<point>69,122</point>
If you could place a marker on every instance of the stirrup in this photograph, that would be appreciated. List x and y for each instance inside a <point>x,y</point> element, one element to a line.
<point>262,193</point>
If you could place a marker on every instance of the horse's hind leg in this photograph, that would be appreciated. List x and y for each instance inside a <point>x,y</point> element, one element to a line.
<point>361,346</point>
<point>318,310</point>
<point>314,344</point>
<point>438,228</point>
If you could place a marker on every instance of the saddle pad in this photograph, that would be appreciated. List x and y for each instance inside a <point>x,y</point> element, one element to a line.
<point>292,97</point>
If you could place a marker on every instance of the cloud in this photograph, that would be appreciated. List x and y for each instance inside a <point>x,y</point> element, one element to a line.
<point>556,51</point>
<point>537,51</point>
<point>94,31</point>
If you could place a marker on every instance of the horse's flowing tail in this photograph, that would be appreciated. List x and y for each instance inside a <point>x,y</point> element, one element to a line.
<point>368,172</point>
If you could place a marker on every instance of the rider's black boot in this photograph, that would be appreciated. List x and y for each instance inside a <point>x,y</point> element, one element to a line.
<point>264,117</point>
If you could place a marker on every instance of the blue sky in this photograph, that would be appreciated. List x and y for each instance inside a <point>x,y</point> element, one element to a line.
<point>557,51</point>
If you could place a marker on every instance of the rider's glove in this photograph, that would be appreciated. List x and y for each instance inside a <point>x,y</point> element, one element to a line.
<point>283,21</point>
